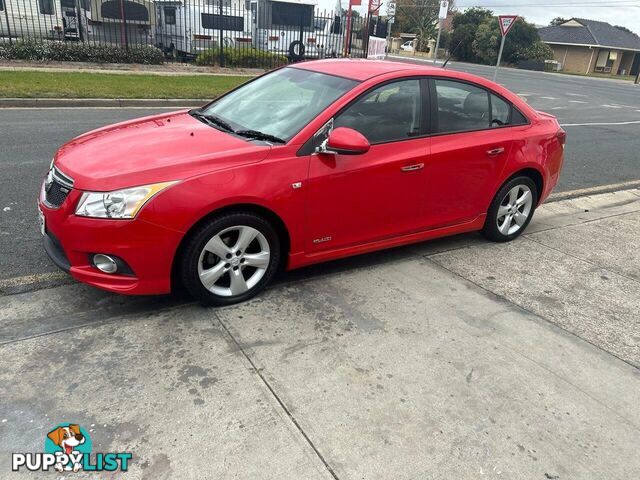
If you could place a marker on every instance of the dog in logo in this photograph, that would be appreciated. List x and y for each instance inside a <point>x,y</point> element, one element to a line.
<point>67,438</point>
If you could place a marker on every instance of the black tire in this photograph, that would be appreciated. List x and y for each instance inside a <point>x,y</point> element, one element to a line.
<point>296,57</point>
<point>490,229</point>
<point>191,257</point>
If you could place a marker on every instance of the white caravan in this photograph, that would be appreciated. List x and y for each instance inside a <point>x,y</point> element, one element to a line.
<point>100,21</point>
<point>31,18</point>
<point>295,29</point>
<point>188,29</point>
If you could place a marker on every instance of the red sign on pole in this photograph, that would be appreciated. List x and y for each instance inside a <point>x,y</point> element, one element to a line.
<point>506,22</point>
<point>355,2</point>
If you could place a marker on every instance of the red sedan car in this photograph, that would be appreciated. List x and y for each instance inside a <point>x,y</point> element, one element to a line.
<point>312,162</point>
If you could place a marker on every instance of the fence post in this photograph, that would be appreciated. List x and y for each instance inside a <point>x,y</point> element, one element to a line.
<point>79,21</point>
<point>221,33</point>
<point>123,28</point>
<point>6,16</point>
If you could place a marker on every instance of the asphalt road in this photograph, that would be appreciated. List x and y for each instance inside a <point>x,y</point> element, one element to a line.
<point>595,154</point>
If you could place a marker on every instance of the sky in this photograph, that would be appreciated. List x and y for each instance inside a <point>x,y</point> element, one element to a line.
<point>541,12</point>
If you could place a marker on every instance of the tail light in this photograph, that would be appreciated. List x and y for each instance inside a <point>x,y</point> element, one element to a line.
<point>562,137</point>
<point>311,40</point>
<point>273,38</point>
<point>201,37</point>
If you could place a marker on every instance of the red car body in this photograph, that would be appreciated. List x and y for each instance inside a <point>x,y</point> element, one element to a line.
<point>344,206</point>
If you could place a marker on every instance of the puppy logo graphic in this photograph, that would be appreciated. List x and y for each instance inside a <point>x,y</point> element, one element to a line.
<point>68,448</point>
<point>67,442</point>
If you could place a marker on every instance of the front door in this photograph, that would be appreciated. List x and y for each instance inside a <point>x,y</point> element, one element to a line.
<point>356,199</point>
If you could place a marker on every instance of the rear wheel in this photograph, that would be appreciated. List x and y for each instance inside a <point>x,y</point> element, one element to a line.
<point>511,210</point>
<point>230,259</point>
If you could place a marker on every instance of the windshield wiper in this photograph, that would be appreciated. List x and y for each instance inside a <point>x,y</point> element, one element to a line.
<point>259,136</point>
<point>212,120</point>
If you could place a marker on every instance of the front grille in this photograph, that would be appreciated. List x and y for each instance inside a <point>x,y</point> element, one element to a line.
<point>57,187</point>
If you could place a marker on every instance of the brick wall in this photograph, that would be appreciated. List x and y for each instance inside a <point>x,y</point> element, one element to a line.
<point>575,59</point>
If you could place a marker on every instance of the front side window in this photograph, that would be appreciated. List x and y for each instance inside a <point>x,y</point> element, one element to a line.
<point>46,7</point>
<point>388,113</point>
<point>461,107</point>
<point>280,103</point>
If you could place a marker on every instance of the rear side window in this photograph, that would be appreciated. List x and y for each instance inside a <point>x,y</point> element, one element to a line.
<point>388,113</point>
<point>500,112</point>
<point>461,107</point>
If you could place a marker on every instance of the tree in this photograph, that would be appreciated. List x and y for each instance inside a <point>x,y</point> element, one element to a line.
<point>558,21</point>
<point>419,17</point>
<point>624,29</point>
<point>465,26</point>
<point>487,41</point>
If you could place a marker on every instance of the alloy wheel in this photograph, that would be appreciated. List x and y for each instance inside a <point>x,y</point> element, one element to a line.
<point>514,209</point>
<point>234,260</point>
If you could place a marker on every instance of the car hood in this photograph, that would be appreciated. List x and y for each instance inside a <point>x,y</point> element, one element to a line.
<point>153,149</point>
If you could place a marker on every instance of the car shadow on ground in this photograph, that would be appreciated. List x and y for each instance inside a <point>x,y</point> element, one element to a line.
<point>74,305</point>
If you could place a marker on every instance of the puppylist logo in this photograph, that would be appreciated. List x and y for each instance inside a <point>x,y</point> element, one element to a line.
<point>67,448</point>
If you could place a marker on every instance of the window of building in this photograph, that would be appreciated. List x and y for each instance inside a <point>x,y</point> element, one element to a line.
<point>388,113</point>
<point>461,107</point>
<point>222,22</point>
<point>46,7</point>
<point>605,61</point>
<point>1,5</point>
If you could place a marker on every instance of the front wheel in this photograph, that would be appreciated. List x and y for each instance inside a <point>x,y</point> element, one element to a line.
<point>230,259</point>
<point>511,210</point>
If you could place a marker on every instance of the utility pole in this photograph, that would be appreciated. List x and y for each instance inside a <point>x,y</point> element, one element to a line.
<point>442,15</point>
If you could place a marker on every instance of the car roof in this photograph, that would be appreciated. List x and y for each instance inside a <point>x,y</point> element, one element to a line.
<point>361,69</point>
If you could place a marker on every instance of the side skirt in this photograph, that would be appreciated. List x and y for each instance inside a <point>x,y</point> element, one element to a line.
<point>302,259</point>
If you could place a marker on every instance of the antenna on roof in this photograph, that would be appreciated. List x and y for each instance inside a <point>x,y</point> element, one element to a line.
<point>451,54</point>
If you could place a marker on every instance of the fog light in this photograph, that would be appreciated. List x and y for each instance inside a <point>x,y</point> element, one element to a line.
<point>105,263</point>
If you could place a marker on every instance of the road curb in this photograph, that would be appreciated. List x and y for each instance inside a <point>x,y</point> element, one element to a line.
<point>100,102</point>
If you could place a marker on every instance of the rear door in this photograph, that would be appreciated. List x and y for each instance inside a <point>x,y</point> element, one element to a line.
<point>470,147</point>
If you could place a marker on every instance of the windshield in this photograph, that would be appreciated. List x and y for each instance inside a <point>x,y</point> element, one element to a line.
<point>280,103</point>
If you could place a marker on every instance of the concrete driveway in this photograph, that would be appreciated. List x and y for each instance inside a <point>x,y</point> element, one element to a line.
<point>450,359</point>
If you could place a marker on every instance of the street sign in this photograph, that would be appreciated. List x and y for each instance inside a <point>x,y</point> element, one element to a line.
<point>391,9</point>
<point>506,22</point>
<point>444,9</point>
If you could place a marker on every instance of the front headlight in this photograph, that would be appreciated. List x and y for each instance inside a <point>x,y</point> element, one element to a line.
<point>124,203</point>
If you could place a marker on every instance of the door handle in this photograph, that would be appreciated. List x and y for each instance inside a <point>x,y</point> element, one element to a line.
<point>495,151</point>
<point>412,168</point>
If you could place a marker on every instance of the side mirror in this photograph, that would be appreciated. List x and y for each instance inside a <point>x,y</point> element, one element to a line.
<point>345,141</point>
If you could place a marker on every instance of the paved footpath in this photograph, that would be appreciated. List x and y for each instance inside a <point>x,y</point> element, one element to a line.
<point>450,359</point>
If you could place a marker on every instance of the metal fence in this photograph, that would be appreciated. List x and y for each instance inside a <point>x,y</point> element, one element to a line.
<point>242,33</point>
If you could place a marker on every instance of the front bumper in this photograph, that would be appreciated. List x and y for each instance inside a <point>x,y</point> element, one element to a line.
<point>148,249</point>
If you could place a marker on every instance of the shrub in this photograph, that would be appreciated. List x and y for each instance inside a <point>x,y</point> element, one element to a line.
<point>538,52</point>
<point>43,51</point>
<point>241,57</point>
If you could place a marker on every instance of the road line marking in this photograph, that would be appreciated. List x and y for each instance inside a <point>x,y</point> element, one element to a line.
<point>612,187</point>
<point>576,101</point>
<point>549,98</point>
<point>631,122</point>
<point>576,95</point>
<point>13,282</point>
<point>610,106</point>
<point>558,108</point>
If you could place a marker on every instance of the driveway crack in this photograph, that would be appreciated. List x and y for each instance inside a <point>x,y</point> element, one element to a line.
<point>277,397</point>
